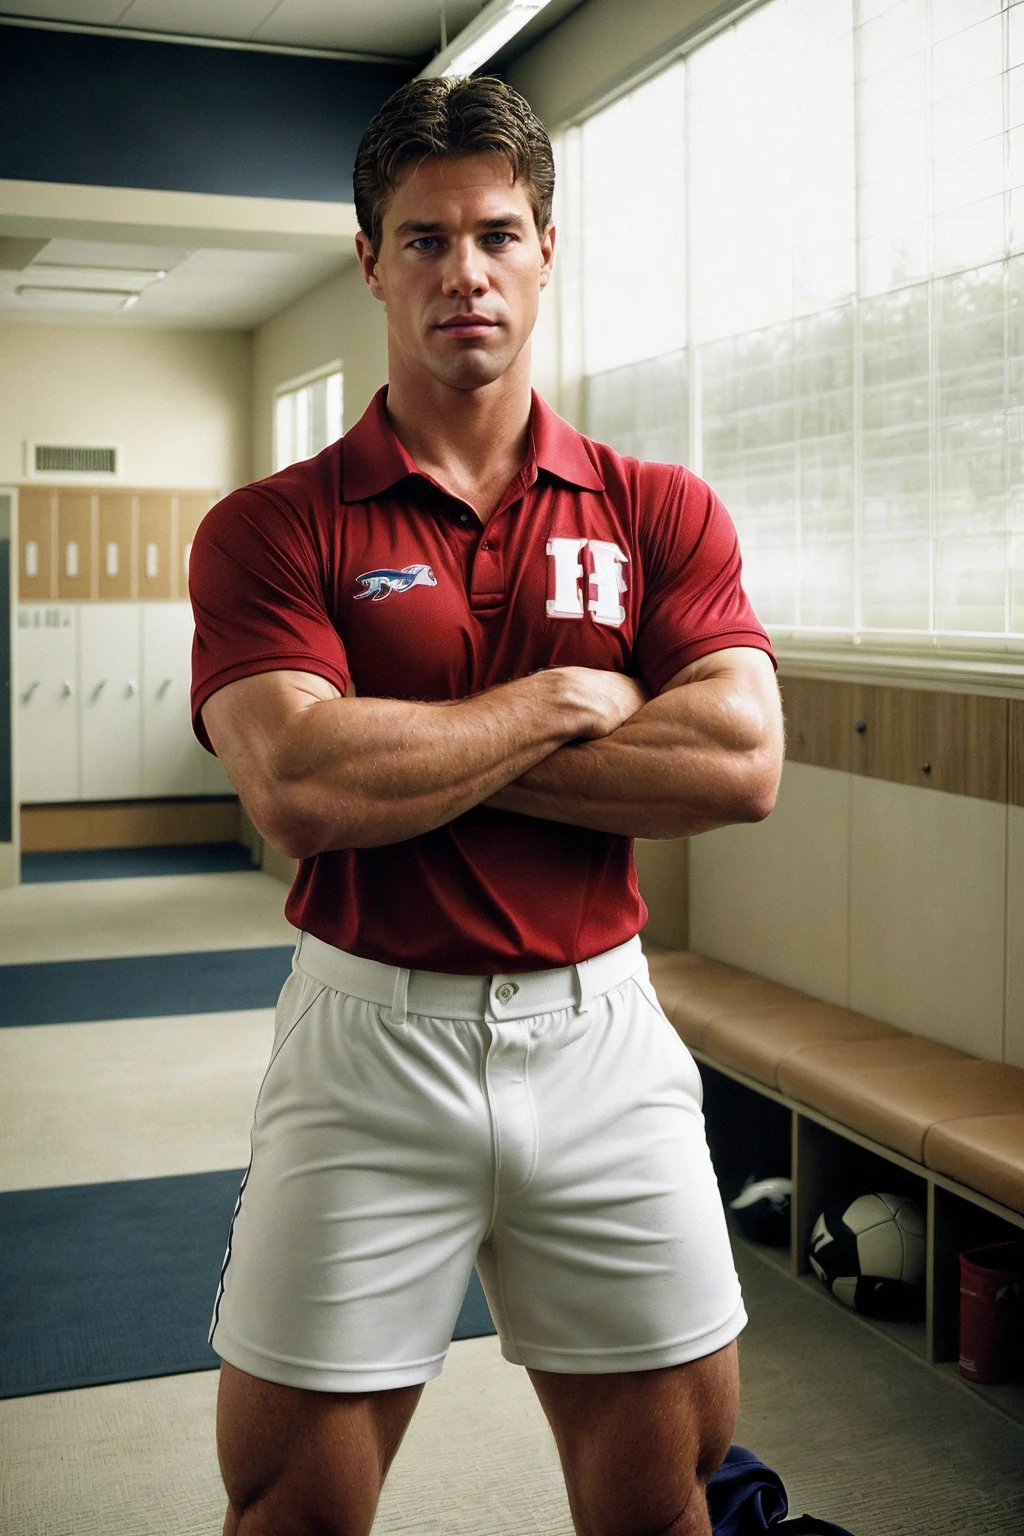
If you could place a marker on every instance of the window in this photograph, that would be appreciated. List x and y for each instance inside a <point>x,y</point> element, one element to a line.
<point>307,415</point>
<point>796,258</point>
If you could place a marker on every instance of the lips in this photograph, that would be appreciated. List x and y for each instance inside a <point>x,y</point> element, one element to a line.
<point>468,325</point>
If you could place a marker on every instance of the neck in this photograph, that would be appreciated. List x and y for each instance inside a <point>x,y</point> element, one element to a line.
<point>472,441</point>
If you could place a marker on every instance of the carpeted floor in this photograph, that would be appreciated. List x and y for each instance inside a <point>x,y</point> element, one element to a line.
<point>122,863</point>
<point>861,1433</point>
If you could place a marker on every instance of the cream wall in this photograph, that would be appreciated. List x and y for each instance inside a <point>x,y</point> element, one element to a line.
<point>905,904</point>
<point>178,401</point>
<point>340,319</point>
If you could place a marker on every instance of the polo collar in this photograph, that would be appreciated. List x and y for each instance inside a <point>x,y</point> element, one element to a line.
<point>373,460</point>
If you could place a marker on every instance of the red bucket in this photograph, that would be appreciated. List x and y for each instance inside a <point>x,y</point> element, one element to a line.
<point>992,1312</point>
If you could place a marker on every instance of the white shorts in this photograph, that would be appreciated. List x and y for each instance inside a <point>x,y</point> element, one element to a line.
<point>545,1126</point>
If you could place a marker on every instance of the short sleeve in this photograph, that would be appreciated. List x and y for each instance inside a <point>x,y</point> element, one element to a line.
<point>256,581</point>
<point>694,602</point>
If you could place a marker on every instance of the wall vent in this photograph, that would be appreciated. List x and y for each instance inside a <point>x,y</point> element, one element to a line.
<point>73,461</point>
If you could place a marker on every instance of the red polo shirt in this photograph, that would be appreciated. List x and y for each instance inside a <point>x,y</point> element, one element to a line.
<point>355,565</point>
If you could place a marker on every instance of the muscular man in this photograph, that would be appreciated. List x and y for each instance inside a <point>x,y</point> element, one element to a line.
<point>454,664</point>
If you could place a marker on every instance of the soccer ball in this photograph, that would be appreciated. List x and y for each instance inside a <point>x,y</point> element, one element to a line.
<point>870,1253</point>
<point>762,1206</point>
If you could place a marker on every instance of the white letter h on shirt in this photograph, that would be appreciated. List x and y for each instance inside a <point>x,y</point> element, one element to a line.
<point>606,580</point>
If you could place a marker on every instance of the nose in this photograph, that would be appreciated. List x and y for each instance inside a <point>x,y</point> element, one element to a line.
<point>465,273</point>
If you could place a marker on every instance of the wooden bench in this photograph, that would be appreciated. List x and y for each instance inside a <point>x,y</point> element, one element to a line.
<point>858,1100</point>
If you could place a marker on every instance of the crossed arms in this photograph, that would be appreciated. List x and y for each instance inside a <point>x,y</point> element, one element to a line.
<point>318,772</point>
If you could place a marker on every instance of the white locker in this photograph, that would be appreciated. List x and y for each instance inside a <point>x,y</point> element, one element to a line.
<point>111,738</point>
<point>173,762</point>
<point>47,688</point>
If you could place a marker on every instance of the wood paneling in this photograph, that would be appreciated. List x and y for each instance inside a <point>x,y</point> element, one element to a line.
<point>819,721</point>
<point>964,739</point>
<point>115,519</point>
<point>128,824</point>
<point>155,556</point>
<point>1016,772</point>
<point>957,742</point>
<point>192,508</point>
<point>37,525</point>
<point>74,546</point>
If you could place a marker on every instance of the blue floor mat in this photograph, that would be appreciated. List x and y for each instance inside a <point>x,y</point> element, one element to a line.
<point>142,986</point>
<point>116,1282</point>
<point>121,863</point>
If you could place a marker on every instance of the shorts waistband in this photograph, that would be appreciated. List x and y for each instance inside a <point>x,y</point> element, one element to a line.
<point>508,995</point>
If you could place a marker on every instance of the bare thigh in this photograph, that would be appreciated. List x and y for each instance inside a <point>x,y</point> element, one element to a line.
<point>637,1449</point>
<point>298,1463</point>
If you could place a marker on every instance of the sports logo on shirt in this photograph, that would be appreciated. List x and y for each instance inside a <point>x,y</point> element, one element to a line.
<point>380,584</point>
<point>604,576</point>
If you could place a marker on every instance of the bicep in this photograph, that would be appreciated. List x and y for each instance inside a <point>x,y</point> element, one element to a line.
<point>248,719</point>
<point>743,688</point>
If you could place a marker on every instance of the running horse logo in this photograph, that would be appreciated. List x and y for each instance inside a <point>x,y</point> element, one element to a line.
<point>380,584</point>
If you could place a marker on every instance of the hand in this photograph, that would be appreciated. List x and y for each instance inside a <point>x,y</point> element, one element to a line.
<point>606,699</point>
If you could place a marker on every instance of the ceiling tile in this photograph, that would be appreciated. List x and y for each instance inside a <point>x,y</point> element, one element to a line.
<point>410,28</point>
<point>236,19</point>
<point>98,13</point>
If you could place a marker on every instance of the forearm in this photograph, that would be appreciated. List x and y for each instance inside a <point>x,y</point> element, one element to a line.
<point>692,759</point>
<point>323,772</point>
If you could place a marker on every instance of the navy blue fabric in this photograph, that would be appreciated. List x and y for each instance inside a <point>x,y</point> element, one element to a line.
<point>125,863</point>
<point>116,1282</point>
<point>746,1498</point>
<point>125,112</point>
<point>142,986</point>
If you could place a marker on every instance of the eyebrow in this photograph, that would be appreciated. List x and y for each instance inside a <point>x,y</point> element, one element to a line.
<point>432,227</point>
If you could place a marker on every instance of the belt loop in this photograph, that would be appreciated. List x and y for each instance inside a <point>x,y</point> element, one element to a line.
<point>298,948</point>
<point>585,985</point>
<point>399,1012</point>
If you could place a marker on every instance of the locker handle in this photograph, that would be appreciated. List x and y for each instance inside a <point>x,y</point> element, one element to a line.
<point>99,688</point>
<point>131,688</point>
<point>66,690</point>
<point>163,687</point>
<point>26,697</point>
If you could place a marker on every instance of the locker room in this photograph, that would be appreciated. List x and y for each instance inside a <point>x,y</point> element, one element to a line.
<point>790,257</point>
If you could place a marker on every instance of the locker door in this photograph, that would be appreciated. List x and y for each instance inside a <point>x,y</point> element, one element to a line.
<point>155,549</point>
<point>37,527</point>
<point>74,545</point>
<point>116,545</point>
<point>173,762</point>
<point>110,706</point>
<point>47,751</point>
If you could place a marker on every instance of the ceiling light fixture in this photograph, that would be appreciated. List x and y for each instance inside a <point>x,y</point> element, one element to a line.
<point>481,39</point>
<point>47,296</point>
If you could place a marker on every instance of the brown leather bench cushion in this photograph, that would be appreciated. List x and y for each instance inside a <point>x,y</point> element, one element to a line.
<point>985,1152</point>
<point>693,991</point>
<point>758,1040</point>
<point>895,1091</point>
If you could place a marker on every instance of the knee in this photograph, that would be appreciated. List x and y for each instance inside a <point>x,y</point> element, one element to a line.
<point>279,1513</point>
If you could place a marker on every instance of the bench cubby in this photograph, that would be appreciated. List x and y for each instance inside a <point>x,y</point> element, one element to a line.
<point>750,1123</point>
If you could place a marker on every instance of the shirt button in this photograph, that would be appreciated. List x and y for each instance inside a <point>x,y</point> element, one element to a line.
<point>463,517</point>
<point>506,992</point>
<point>485,543</point>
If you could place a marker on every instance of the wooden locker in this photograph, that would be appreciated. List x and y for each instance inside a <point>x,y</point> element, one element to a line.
<point>155,547</point>
<point>47,702</point>
<point>74,546</point>
<point>192,508</point>
<point>111,757</point>
<point>173,762</point>
<point>37,536</point>
<point>115,546</point>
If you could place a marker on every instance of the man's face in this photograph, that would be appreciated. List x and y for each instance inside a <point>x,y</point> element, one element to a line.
<point>460,268</point>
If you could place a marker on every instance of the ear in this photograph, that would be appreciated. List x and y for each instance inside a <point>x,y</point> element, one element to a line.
<point>547,255</point>
<point>368,263</point>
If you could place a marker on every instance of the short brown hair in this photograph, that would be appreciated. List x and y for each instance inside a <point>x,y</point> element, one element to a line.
<point>442,119</point>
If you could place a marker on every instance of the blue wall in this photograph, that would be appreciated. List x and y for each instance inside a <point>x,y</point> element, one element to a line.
<point>125,113</point>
